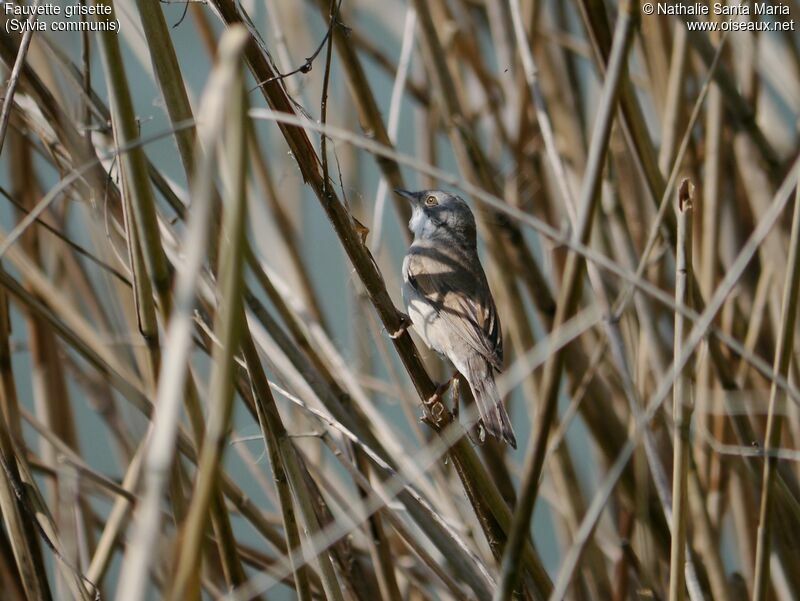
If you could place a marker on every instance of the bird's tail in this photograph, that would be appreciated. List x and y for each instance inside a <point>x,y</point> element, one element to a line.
<point>490,405</point>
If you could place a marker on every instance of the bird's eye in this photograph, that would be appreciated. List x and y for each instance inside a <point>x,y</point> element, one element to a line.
<point>431,201</point>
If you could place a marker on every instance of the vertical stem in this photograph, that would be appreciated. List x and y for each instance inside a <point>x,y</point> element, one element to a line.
<point>705,538</point>
<point>323,109</point>
<point>783,356</point>
<point>228,327</point>
<point>365,102</point>
<point>681,405</point>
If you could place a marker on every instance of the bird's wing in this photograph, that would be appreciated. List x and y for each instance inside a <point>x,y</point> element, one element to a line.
<point>461,297</point>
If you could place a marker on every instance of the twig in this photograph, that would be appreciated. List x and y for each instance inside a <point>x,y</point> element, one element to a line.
<point>323,111</point>
<point>309,63</point>
<point>369,112</point>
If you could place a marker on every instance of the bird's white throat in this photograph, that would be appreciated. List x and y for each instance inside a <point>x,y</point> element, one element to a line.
<point>417,222</point>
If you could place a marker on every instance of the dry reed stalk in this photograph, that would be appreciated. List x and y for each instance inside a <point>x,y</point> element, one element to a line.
<point>742,112</point>
<point>134,165</point>
<point>681,403</point>
<point>712,182</point>
<point>597,284</point>
<point>286,230</point>
<point>564,472</point>
<point>783,353</point>
<point>271,425</point>
<point>228,326</point>
<point>705,538</point>
<point>435,533</point>
<point>673,104</point>
<point>531,76</point>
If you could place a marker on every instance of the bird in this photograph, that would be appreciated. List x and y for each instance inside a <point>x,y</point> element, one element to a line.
<point>449,303</point>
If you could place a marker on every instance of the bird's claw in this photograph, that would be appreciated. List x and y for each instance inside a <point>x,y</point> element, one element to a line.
<point>405,323</point>
<point>435,406</point>
<point>435,415</point>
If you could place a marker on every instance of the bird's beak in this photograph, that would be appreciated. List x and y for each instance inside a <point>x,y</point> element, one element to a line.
<point>413,197</point>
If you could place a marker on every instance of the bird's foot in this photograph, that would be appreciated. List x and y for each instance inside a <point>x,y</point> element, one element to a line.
<point>439,394</point>
<point>405,323</point>
<point>435,406</point>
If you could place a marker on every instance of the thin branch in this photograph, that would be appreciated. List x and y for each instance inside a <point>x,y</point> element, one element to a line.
<point>309,62</point>
<point>323,111</point>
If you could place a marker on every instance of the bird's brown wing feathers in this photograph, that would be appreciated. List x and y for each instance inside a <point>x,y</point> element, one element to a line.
<point>461,297</point>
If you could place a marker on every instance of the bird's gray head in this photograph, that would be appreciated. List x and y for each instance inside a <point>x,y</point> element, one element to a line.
<point>438,215</point>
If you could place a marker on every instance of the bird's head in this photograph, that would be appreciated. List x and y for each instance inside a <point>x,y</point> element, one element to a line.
<point>439,215</point>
